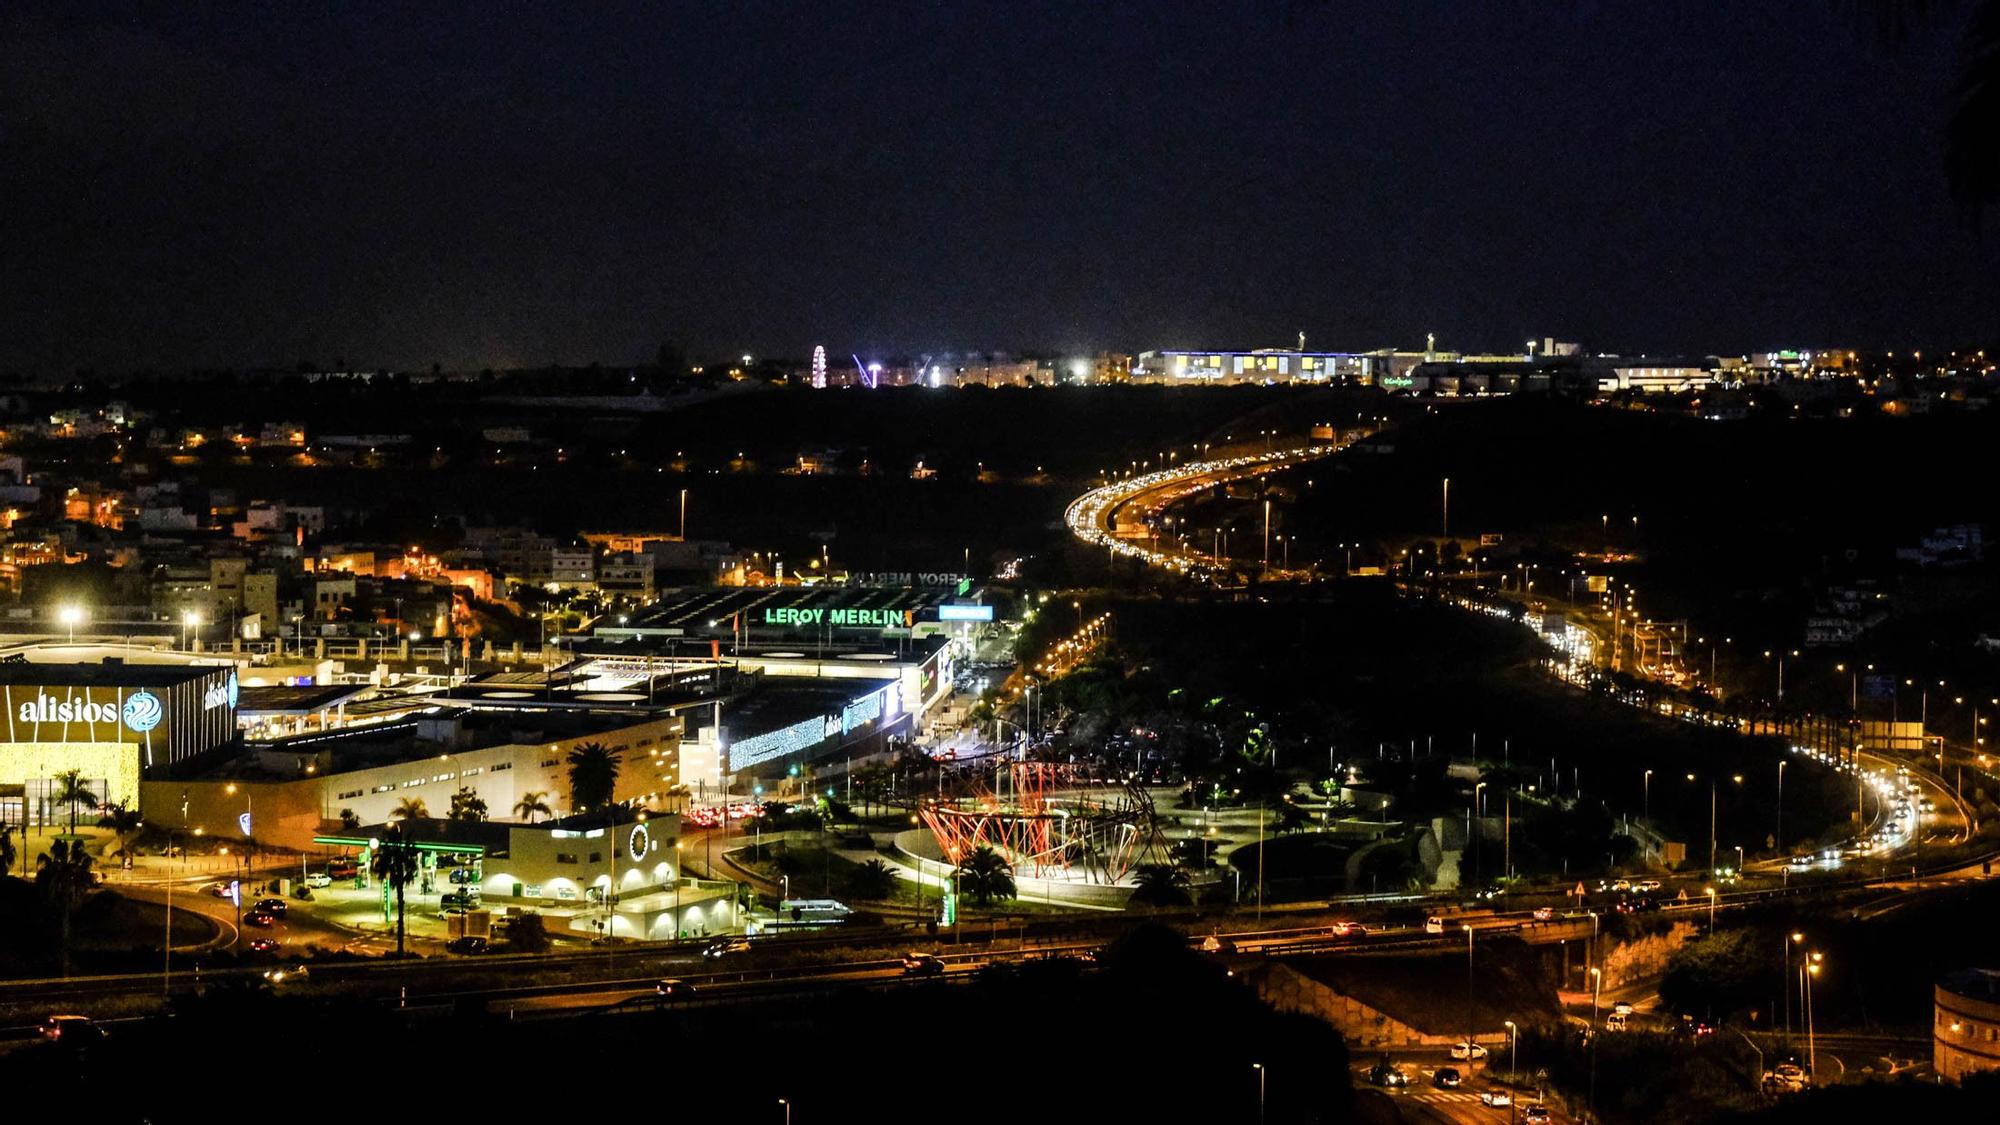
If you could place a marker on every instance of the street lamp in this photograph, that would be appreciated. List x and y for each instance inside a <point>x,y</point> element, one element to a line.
<point>70,616</point>
<point>1710,892</point>
<point>190,621</point>
<point>1796,939</point>
<point>1513,1050</point>
<point>1811,970</point>
<point>1259,1068</point>
<point>787,1104</point>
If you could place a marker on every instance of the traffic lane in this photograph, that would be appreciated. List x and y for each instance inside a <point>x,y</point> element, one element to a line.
<point>718,991</point>
<point>1422,1099</point>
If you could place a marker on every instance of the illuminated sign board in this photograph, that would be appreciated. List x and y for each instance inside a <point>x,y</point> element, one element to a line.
<point>169,722</point>
<point>845,617</point>
<point>1398,382</point>
<point>965,613</point>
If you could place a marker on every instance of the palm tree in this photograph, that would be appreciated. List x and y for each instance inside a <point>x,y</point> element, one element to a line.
<point>467,806</point>
<point>1160,884</point>
<point>985,875</point>
<point>63,876</point>
<point>872,880</point>
<point>532,804</point>
<point>593,776</point>
<point>411,808</point>
<point>71,791</point>
<point>349,820</point>
<point>395,863</point>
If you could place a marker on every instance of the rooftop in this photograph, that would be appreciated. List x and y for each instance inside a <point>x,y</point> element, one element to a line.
<point>109,674</point>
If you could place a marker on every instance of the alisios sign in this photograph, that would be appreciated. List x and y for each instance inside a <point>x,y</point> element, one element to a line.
<point>168,720</point>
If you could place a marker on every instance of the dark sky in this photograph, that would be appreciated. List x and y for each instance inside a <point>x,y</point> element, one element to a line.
<point>506,184</point>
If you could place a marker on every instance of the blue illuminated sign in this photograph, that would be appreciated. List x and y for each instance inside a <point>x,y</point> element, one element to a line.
<point>965,613</point>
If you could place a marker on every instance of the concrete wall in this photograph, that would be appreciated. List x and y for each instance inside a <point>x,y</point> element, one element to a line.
<point>1289,990</point>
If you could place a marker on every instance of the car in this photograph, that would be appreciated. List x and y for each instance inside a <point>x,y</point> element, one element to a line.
<point>275,906</point>
<point>1216,943</point>
<point>1464,1050</point>
<point>263,945</point>
<point>674,988</point>
<point>71,1029</point>
<point>223,889</point>
<point>471,945</point>
<point>463,875</point>
<point>1387,1074</point>
<point>319,880</point>
<point>1348,929</point>
<point>260,919</point>
<point>467,899</point>
<point>342,869</point>
<point>1498,1099</point>
<point>922,965</point>
<point>1545,913</point>
<point>1622,1007</point>
<point>1445,1078</point>
<point>287,974</point>
<point>1616,1022</point>
<point>1535,1115</point>
<point>1646,885</point>
<point>727,947</point>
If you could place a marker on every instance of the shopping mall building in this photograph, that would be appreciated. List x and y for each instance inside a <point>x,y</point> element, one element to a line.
<point>110,722</point>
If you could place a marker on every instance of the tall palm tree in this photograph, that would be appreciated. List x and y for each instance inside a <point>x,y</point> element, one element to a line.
<point>395,863</point>
<point>63,876</point>
<point>71,791</point>
<point>411,808</point>
<point>985,875</point>
<point>1160,884</point>
<point>532,804</point>
<point>593,776</point>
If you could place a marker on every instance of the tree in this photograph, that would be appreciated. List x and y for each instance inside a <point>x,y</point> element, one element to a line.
<point>1160,884</point>
<point>532,804</point>
<point>395,863</point>
<point>63,876</point>
<point>593,776</point>
<point>467,806</point>
<point>349,820</point>
<point>71,791</point>
<point>985,875</point>
<point>411,808</point>
<point>1291,818</point>
<point>120,819</point>
<point>1718,975</point>
<point>873,880</point>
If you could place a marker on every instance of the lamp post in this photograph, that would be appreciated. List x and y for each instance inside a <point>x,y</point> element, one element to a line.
<point>1513,1051</point>
<point>1468,997</point>
<point>1646,797</point>
<point>1786,977</point>
<point>70,615</point>
<point>1811,970</point>
<point>1778,838</point>
<point>1710,892</point>
<point>1259,1068</point>
<point>784,1102</point>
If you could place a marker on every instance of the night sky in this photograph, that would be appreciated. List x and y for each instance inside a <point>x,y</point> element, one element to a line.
<point>513,184</point>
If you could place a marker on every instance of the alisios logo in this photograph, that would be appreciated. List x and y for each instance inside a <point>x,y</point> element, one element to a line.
<point>225,692</point>
<point>47,708</point>
<point>142,711</point>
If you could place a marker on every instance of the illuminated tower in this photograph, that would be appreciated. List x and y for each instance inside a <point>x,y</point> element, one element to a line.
<point>819,368</point>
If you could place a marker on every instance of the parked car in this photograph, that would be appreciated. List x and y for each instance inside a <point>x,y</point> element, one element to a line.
<point>467,899</point>
<point>727,947</point>
<point>342,869</point>
<point>922,965</point>
<point>1464,1050</point>
<point>71,1029</point>
<point>319,880</point>
<point>469,945</point>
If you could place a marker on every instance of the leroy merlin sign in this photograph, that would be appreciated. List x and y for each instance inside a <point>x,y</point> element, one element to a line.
<point>838,618</point>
